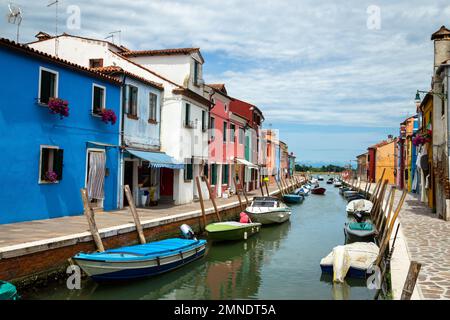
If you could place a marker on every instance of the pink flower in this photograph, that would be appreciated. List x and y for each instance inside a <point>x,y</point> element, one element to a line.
<point>59,106</point>
<point>108,115</point>
<point>51,176</point>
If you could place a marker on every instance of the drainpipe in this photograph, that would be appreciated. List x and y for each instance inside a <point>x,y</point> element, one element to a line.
<point>122,143</point>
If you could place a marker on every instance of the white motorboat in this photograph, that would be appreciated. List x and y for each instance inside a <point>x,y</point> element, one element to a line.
<point>268,210</point>
<point>359,205</point>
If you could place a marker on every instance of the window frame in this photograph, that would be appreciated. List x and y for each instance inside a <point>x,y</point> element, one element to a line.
<point>56,73</point>
<point>232,132</point>
<point>96,60</point>
<point>41,148</point>
<point>191,171</point>
<point>94,85</point>
<point>150,118</point>
<point>225,128</point>
<point>129,109</point>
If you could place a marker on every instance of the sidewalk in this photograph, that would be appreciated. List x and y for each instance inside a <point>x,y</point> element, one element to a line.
<point>32,236</point>
<point>423,238</point>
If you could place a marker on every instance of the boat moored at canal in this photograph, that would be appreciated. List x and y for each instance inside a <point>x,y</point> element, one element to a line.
<point>140,260</point>
<point>268,210</point>
<point>232,230</point>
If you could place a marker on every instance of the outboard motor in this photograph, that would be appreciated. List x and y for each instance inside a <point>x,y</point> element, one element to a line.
<point>358,216</point>
<point>187,232</point>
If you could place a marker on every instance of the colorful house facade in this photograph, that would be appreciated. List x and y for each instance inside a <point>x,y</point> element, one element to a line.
<point>48,157</point>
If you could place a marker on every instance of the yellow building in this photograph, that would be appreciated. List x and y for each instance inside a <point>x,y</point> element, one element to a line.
<point>386,159</point>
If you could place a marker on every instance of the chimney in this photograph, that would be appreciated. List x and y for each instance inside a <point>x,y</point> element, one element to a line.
<point>441,40</point>
<point>390,137</point>
<point>41,36</point>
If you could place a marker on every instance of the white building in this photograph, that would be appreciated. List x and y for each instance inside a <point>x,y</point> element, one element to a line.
<point>184,110</point>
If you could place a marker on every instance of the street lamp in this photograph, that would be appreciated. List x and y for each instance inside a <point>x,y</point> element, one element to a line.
<point>418,101</point>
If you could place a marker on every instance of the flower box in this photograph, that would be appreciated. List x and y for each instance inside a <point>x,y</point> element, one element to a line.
<point>59,106</point>
<point>109,115</point>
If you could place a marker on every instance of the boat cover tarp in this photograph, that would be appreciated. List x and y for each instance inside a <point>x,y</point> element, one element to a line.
<point>157,159</point>
<point>359,205</point>
<point>229,225</point>
<point>7,291</point>
<point>366,226</point>
<point>358,255</point>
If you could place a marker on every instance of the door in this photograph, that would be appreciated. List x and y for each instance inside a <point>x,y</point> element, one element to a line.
<point>166,182</point>
<point>128,179</point>
<point>95,177</point>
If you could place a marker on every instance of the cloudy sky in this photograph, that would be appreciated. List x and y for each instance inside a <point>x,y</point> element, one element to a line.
<point>330,75</point>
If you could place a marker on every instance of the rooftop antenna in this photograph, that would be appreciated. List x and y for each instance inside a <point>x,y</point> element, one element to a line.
<point>111,36</point>
<point>56,3</point>
<point>15,17</point>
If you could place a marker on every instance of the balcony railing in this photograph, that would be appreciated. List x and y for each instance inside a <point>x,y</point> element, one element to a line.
<point>190,124</point>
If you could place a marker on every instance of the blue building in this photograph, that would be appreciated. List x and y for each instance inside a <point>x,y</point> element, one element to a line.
<point>47,158</point>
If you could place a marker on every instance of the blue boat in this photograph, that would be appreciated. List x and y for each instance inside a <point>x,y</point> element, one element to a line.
<point>293,198</point>
<point>141,260</point>
<point>8,291</point>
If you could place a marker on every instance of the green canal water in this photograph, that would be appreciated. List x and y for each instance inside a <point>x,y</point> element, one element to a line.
<point>281,262</point>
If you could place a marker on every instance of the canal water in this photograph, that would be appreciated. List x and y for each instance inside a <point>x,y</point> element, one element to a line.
<point>281,262</point>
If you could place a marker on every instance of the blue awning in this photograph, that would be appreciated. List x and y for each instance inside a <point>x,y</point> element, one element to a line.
<point>157,159</point>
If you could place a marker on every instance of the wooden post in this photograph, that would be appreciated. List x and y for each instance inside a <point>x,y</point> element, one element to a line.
<point>212,197</point>
<point>89,214</point>
<point>243,190</point>
<point>411,279</point>
<point>237,193</point>
<point>267,188</point>
<point>279,187</point>
<point>261,188</point>
<point>202,205</point>
<point>134,213</point>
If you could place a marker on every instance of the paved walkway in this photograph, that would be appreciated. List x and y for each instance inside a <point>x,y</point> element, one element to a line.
<point>426,239</point>
<point>20,234</point>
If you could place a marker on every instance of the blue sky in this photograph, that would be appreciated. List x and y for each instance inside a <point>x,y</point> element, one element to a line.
<point>330,82</point>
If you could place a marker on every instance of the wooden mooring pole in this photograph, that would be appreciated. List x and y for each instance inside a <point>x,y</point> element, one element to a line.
<point>202,205</point>
<point>134,213</point>
<point>212,197</point>
<point>411,279</point>
<point>89,214</point>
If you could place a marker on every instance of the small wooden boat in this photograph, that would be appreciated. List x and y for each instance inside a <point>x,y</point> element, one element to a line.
<point>349,193</point>
<point>8,291</point>
<point>140,260</point>
<point>268,210</point>
<point>231,230</point>
<point>357,196</point>
<point>320,178</point>
<point>318,190</point>
<point>330,181</point>
<point>359,205</point>
<point>293,198</point>
<point>343,189</point>
<point>359,232</point>
<point>337,184</point>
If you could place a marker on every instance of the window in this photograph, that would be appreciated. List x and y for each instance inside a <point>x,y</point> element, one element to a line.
<point>132,101</point>
<point>95,63</point>
<point>50,164</point>
<point>188,171</point>
<point>98,99</point>
<point>442,107</point>
<point>48,85</point>
<point>224,174</point>
<point>187,117</point>
<point>212,126</point>
<point>196,72</point>
<point>232,133</point>
<point>204,121</point>
<point>225,128</point>
<point>241,135</point>
<point>205,170</point>
<point>153,99</point>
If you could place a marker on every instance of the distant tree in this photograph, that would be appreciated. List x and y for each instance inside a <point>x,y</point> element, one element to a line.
<point>327,168</point>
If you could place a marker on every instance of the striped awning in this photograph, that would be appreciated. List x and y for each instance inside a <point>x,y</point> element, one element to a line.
<point>157,159</point>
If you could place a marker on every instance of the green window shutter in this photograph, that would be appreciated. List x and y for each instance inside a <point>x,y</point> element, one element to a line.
<point>58,163</point>
<point>205,170</point>
<point>225,174</point>
<point>213,174</point>
<point>225,127</point>
<point>188,171</point>
<point>187,116</point>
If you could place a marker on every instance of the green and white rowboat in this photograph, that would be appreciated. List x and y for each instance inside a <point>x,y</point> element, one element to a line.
<point>231,230</point>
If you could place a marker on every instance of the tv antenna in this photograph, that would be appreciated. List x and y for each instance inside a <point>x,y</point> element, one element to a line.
<point>111,36</point>
<point>15,17</point>
<point>56,4</point>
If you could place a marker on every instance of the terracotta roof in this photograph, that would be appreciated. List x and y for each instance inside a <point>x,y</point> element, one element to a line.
<point>443,32</point>
<point>218,87</point>
<point>28,50</point>
<point>110,70</point>
<point>192,95</point>
<point>161,52</point>
<point>238,103</point>
<point>43,36</point>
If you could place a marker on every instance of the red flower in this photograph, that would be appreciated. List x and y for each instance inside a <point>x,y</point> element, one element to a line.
<point>108,115</point>
<point>59,106</point>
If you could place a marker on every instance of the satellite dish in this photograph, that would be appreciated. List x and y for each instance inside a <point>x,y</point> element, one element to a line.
<point>15,16</point>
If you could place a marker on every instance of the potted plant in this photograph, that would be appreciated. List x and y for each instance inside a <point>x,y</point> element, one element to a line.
<point>59,106</point>
<point>109,115</point>
<point>51,176</point>
<point>422,138</point>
